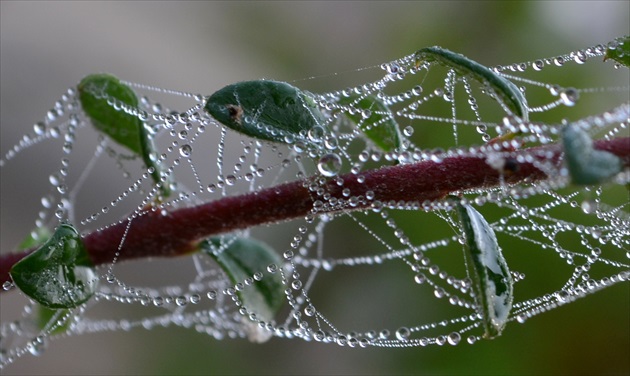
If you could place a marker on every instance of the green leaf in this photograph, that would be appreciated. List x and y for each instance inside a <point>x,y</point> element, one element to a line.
<point>267,110</point>
<point>492,281</point>
<point>619,51</point>
<point>508,93</point>
<point>241,258</point>
<point>101,96</point>
<point>59,274</point>
<point>375,120</point>
<point>36,238</point>
<point>44,315</point>
<point>585,164</point>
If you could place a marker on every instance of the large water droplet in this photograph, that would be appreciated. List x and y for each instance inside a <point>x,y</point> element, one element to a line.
<point>454,338</point>
<point>39,128</point>
<point>402,334</point>
<point>570,96</point>
<point>329,164</point>
<point>185,150</point>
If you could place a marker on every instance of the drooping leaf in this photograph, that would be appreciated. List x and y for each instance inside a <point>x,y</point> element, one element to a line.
<point>241,258</point>
<point>267,110</point>
<point>585,164</point>
<point>101,97</point>
<point>508,93</point>
<point>59,274</point>
<point>492,281</point>
<point>619,51</point>
<point>375,119</point>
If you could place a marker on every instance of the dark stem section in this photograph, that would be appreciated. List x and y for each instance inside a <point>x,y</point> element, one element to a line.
<point>176,232</point>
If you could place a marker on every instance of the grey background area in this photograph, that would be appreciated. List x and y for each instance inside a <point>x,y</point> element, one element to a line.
<point>48,46</point>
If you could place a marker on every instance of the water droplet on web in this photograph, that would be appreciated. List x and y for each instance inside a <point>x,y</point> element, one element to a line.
<point>408,131</point>
<point>6,286</point>
<point>185,150</point>
<point>54,180</point>
<point>316,134</point>
<point>181,301</point>
<point>329,164</point>
<point>454,338</point>
<point>589,206</point>
<point>538,65</point>
<point>569,96</point>
<point>402,334</point>
<point>37,346</point>
<point>272,268</point>
<point>420,278</point>
<point>39,128</point>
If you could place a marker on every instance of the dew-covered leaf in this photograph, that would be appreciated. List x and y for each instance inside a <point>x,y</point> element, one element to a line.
<point>36,238</point>
<point>59,274</point>
<point>102,97</point>
<point>375,120</point>
<point>267,110</point>
<point>585,164</point>
<point>508,93</point>
<point>492,281</point>
<point>241,258</point>
<point>619,51</point>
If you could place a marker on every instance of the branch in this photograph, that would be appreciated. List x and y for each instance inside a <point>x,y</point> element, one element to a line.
<point>176,233</point>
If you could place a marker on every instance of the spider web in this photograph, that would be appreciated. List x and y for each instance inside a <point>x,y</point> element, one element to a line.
<point>401,264</point>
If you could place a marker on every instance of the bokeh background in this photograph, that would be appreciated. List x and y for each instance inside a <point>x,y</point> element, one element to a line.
<point>46,47</point>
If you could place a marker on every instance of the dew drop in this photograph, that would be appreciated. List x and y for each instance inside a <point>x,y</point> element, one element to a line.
<point>6,286</point>
<point>538,65</point>
<point>329,164</point>
<point>296,284</point>
<point>39,128</point>
<point>453,338</point>
<point>589,206</point>
<point>402,334</point>
<point>408,131</point>
<point>272,268</point>
<point>569,97</point>
<point>181,301</point>
<point>37,346</point>
<point>420,278</point>
<point>54,180</point>
<point>185,150</point>
<point>230,180</point>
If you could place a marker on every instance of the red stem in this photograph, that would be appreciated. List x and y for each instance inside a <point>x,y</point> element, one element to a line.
<point>178,232</point>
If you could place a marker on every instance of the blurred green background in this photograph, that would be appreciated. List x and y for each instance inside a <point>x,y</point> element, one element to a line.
<point>46,47</point>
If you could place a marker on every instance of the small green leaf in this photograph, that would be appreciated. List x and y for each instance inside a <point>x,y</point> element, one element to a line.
<point>375,120</point>
<point>619,51</point>
<point>59,274</point>
<point>585,164</point>
<point>241,258</point>
<point>36,238</point>
<point>268,110</point>
<point>508,93</point>
<point>492,281</point>
<point>101,96</point>
<point>46,315</point>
